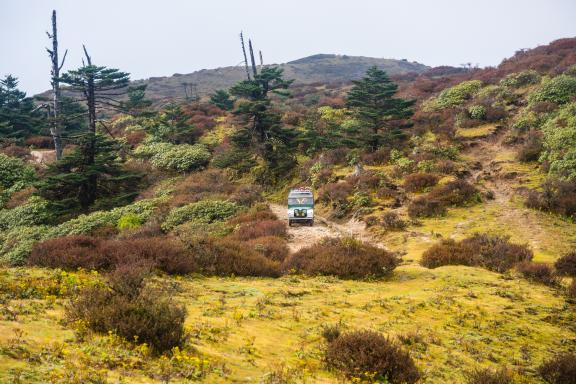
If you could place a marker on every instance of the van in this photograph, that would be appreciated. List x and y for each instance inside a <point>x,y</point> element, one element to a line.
<point>301,206</point>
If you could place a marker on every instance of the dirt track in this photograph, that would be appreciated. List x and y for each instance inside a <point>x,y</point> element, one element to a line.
<point>301,235</point>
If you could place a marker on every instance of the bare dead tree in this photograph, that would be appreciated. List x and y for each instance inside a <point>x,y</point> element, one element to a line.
<point>56,124</point>
<point>245,57</point>
<point>261,60</point>
<point>254,69</point>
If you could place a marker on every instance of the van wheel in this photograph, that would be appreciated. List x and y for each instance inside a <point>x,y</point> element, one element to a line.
<point>311,223</point>
<point>289,223</point>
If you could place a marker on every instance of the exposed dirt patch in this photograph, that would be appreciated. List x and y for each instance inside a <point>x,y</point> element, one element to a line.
<point>302,235</point>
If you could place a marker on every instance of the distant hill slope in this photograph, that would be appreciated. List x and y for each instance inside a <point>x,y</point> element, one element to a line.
<point>317,68</point>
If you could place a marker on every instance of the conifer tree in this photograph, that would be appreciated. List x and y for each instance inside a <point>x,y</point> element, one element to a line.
<point>93,170</point>
<point>19,117</point>
<point>262,132</point>
<point>222,100</point>
<point>373,104</point>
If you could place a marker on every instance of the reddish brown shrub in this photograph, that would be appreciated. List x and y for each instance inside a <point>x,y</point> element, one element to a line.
<point>135,137</point>
<point>226,257</point>
<point>16,151</point>
<point>423,206</point>
<point>558,196</point>
<point>335,193</point>
<point>561,369</point>
<point>370,356</point>
<point>566,265</point>
<point>44,142</point>
<point>262,228</point>
<point>272,247</point>
<point>92,253</point>
<point>148,315</point>
<point>420,181</point>
<point>457,192</point>
<point>538,272</point>
<point>335,156</point>
<point>531,148</point>
<point>492,252</point>
<point>572,289</point>
<point>490,376</point>
<point>378,157</point>
<point>391,221</point>
<point>256,214</point>
<point>342,257</point>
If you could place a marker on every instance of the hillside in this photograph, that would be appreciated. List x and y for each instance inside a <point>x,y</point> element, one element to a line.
<point>443,248</point>
<point>320,68</point>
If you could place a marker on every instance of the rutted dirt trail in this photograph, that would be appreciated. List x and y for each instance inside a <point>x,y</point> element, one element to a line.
<point>300,236</point>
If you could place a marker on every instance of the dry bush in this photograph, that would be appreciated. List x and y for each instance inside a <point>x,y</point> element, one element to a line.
<point>254,230</point>
<point>558,196</point>
<point>423,206</point>
<point>391,221</point>
<point>247,195</point>
<point>20,197</point>
<point>336,156</point>
<point>202,185</point>
<point>566,265</point>
<point>457,192</point>
<point>416,182</point>
<point>531,148</point>
<point>257,213</point>
<point>538,272</point>
<point>16,151</point>
<point>378,157</point>
<point>272,247</point>
<point>572,289</point>
<point>134,138</point>
<point>492,252</point>
<point>561,369</point>
<point>490,376</point>
<point>224,257</point>
<point>131,311</point>
<point>368,355</point>
<point>335,194</point>
<point>447,167</point>
<point>342,257</point>
<point>44,142</point>
<point>86,252</point>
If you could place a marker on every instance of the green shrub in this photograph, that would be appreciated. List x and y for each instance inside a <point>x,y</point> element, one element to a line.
<point>454,96</point>
<point>205,211</point>
<point>129,221</point>
<point>34,212</point>
<point>521,79</point>
<point>525,120</point>
<point>17,243</point>
<point>368,356</point>
<point>13,170</point>
<point>560,142</point>
<point>477,112</point>
<point>180,158</point>
<point>558,90</point>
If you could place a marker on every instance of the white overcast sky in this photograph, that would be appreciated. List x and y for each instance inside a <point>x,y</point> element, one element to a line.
<point>161,37</point>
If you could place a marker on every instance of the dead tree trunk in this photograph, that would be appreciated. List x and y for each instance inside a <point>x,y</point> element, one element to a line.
<point>245,57</point>
<point>254,69</point>
<point>56,124</point>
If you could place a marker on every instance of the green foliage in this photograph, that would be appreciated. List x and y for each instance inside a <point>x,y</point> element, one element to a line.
<point>477,112</point>
<point>74,183</point>
<point>137,103</point>
<point>525,120</point>
<point>18,118</point>
<point>17,243</point>
<point>560,90</point>
<point>34,212</point>
<point>171,125</point>
<point>521,79</point>
<point>262,132</point>
<point>372,102</point>
<point>205,211</point>
<point>180,158</point>
<point>560,142</point>
<point>15,175</point>
<point>454,96</point>
<point>222,100</point>
<point>129,221</point>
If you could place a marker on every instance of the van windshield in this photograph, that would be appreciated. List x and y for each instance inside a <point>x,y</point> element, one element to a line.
<point>300,201</point>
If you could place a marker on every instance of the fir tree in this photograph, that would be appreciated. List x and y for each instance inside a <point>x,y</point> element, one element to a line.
<point>172,125</point>
<point>222,100</point>
<point>373,104</point>
<point>137,103</point>
<point>262,132</point>
<point>18,116</point>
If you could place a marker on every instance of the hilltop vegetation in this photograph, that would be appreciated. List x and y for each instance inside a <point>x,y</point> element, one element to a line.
<point>150,253</point>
